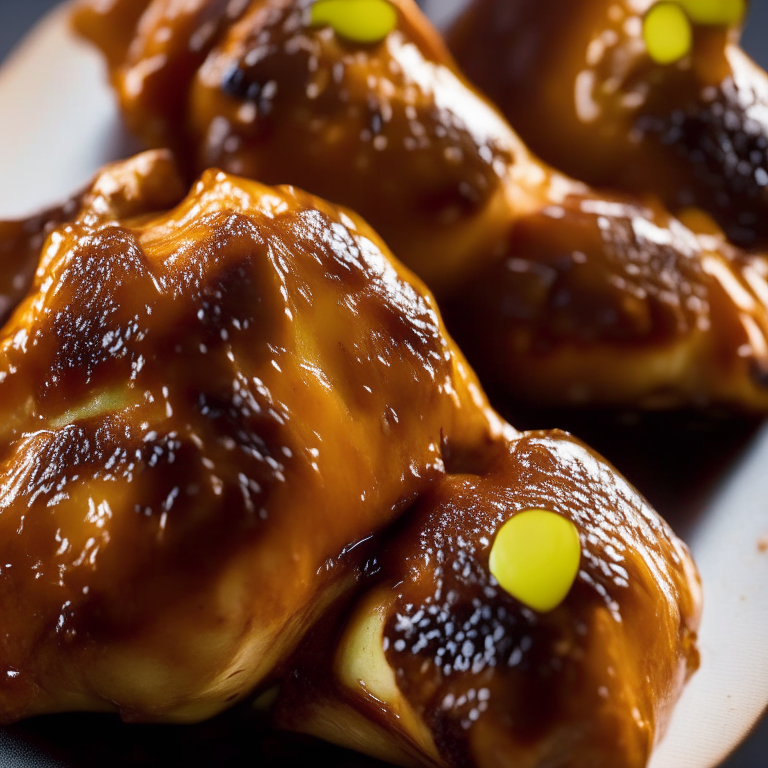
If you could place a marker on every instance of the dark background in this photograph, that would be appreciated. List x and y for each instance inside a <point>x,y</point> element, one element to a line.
<point>17,16</point>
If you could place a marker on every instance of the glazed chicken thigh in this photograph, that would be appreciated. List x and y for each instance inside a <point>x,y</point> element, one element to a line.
<point>131,188</point>
<point>204,408</point>
<point>557,293</point>
<point>576,80</point>
<point>236,430</point>
<point>436,664</point>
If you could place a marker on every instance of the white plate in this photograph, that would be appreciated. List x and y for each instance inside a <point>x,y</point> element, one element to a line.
<point>59,125</point>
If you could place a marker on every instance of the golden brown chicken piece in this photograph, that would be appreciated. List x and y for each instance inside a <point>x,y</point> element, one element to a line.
<point>213,416</point>
<point>205,410</point>
<point>20,243</point>
<point>388,130</point>
<point>576,80</point>
<point>614,302</point>
<point>438,666</point>
<point>584,298</point>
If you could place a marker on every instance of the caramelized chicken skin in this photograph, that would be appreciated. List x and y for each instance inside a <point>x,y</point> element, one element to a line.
<point>614,302</point>
<point>576,80</point>
<point>557,293</point>
<point>388,130</point>
<point>215,415</point>
<point>126,189</point>
<point>205,409</point>
<point>437,665</point>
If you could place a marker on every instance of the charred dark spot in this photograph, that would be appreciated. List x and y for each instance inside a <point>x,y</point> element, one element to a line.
<point>725,149</point>
<point>239,85</point>
<point>759,373</point>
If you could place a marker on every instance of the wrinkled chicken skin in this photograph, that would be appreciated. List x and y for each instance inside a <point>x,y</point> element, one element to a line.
<point>20,244</point>
<point>215,413</point>
<point>125,189</point>
<point>575,79</point>
<point>437,666</point>
<point>617,303</point>
<point>205,410</point>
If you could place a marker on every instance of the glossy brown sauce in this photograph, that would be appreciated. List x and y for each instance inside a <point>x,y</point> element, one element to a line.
<point>676,471</point>
<point>522,673</point>
<point>218,411</point>
<point>20,245</point>
<point>575,80</point>
<point>184,376</point>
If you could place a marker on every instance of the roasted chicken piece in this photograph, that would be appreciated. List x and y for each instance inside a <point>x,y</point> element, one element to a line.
<point>613,302</point>
<point>388,130</point>
<point>557,293</point>
<point>437,665</point>
<point>577,81</point>
<point>205,410</point>
<point>214,416</point>
<point>20,244</point>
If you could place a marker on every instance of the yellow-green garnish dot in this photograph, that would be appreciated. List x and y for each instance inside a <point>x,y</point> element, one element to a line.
<point>535,558</point>
<point>668,33</point>
<point>715,12</point>
<point>361,21</point>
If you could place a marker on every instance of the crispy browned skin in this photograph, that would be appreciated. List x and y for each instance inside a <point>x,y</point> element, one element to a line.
<point>584,298</point>
<point>576,81</point>
<point>20,243</point>
<point>615,302</point>
<point>126,189</point>
<point>204,408</point>
<point>213,416</point>
<point>437,665</point>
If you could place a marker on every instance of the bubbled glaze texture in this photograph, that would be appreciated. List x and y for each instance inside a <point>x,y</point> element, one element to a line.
<point>484,670</point>
<point>205,408</point>
<point>477,678</point>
